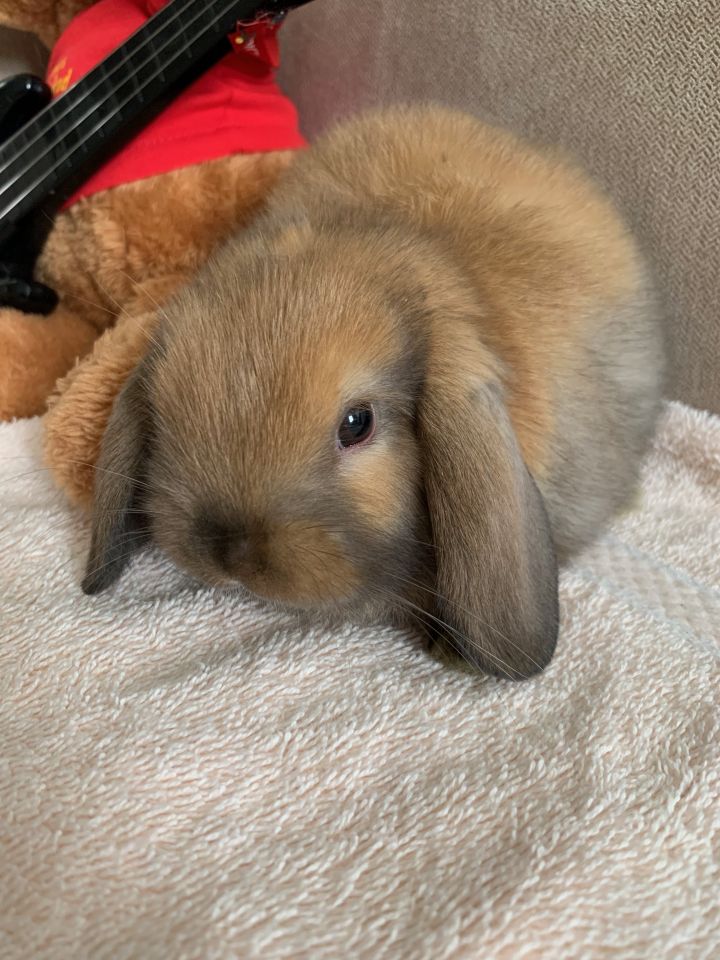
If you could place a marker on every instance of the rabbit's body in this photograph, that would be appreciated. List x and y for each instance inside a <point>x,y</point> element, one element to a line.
<point>481,306</point>
<point>564,298</point>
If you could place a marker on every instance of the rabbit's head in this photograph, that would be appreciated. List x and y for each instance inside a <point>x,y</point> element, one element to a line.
<point>320,424</point>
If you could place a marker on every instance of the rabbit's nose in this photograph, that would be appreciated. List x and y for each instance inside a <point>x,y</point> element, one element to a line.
<point>224,538</point>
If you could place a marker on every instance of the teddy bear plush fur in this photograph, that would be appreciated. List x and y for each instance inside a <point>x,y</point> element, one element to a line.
<point>112,257</point>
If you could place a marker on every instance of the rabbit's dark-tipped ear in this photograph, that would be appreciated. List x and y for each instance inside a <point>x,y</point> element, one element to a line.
<point>497,575</point>
<point>118,524</point>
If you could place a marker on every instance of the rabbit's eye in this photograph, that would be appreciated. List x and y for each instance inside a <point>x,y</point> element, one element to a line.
<point>357,426</point>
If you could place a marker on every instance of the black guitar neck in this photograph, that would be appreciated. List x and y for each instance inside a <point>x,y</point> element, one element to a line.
<point>52,154</point>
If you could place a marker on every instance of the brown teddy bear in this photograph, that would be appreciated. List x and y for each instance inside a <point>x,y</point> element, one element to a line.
<point>139,226</point>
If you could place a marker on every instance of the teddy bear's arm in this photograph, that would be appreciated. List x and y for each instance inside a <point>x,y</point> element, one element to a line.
<point>84,399</point>
<point>51,345</point>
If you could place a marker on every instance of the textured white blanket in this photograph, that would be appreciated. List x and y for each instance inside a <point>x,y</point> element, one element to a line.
<point>184,776</point>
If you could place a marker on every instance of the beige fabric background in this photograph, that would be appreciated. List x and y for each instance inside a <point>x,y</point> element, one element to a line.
<point>631,86</point>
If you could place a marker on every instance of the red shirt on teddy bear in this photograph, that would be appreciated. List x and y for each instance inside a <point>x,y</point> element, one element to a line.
<point>235,107</point>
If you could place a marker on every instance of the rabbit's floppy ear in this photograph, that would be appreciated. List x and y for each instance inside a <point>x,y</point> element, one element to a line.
<point>118,526</point>
<point>497,580</point>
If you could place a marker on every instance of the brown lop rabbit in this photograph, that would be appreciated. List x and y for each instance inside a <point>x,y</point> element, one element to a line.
<point>426,376</point>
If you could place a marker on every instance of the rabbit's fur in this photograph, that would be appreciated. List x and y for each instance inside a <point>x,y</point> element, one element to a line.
<point>488,302</point>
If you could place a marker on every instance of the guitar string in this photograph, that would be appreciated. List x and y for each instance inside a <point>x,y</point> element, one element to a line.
<point>99,126</point>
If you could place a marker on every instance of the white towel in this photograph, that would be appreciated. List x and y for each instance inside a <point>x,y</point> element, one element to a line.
<point>186,776</point>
